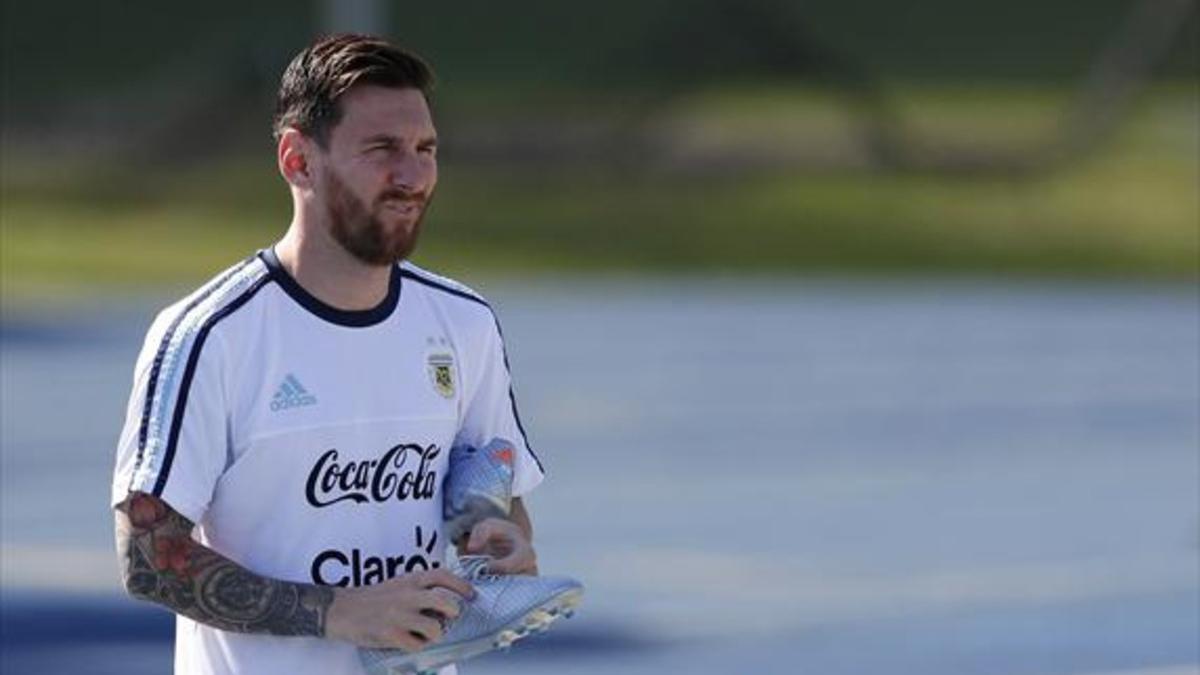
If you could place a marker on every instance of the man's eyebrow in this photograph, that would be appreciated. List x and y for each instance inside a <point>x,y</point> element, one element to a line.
<point>380,138</point>
<point>390,139</point>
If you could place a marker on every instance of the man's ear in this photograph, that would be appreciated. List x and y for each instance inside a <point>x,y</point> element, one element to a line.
<point>292,156</point>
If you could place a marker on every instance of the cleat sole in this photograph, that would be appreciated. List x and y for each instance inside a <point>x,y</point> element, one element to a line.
<point>538,620</point>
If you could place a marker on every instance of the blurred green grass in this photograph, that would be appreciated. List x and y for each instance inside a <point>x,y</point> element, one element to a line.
<point>1128,210</point>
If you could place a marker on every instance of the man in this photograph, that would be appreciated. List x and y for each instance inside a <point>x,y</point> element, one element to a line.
<point>278,479</point>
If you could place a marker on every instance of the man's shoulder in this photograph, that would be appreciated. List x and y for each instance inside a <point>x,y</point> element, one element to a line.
<point>216,298</point>
<point>445,290</point>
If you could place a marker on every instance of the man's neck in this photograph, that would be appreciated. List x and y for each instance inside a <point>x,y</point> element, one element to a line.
<point>329,273</point>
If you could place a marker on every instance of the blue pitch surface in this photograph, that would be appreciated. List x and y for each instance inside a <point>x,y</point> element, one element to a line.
<point>827,477</point>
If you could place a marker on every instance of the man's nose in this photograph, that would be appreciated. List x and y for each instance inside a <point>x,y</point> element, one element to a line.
<point>411,172</point>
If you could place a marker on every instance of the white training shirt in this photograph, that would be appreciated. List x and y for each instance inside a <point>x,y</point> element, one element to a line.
<point>309,443</point>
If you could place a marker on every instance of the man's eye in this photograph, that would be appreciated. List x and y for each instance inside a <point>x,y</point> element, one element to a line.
<point>427,149</point>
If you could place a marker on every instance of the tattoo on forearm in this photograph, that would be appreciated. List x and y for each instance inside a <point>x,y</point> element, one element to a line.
<point>161,562</point>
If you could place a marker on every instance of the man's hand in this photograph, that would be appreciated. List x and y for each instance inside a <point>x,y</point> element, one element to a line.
<point>408,613</point>
<point>506,542</point>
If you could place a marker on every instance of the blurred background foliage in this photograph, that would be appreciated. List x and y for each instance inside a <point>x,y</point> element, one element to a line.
<point>999,138</point>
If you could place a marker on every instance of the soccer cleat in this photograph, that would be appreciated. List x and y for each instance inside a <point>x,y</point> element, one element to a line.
<point>478,485</point>
<point>506,608</point>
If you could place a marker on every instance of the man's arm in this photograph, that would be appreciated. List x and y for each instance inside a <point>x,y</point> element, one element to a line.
<point>162,563</point>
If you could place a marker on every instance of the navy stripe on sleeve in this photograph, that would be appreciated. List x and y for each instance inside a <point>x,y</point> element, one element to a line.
<point>152,387</point>
<point>190,371</point>
<point>409,274</point>
<point>512,399</point>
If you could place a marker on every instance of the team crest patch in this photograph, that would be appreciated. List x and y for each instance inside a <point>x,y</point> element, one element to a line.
<point>441,372</point>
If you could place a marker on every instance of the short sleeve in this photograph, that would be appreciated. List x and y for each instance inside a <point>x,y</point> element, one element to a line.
<point>173,443</point>
<point>491,412</point>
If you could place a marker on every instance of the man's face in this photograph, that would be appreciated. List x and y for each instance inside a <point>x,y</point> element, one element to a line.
<point>377,177</point>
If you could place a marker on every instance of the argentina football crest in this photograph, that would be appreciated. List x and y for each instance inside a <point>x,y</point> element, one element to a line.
<point>441,373</point>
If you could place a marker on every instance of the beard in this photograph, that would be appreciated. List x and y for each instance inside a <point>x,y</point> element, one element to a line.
<point>361,231</point>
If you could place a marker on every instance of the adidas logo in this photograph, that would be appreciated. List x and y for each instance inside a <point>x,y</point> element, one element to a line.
<point>291,394</point>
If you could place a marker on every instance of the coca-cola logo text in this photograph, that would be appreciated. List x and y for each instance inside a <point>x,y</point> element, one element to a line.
<point>402,473</point>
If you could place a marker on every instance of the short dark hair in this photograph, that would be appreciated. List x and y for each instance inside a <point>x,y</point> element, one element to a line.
<point>321,74</point>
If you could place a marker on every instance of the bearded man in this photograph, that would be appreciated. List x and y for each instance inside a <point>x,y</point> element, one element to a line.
<point>278,482</point>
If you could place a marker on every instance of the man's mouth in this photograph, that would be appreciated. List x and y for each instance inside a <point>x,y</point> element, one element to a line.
<point>405,206</point>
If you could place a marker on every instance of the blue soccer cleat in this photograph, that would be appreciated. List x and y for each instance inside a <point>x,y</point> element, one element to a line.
<point>506,608</point>
<point>478,486</point>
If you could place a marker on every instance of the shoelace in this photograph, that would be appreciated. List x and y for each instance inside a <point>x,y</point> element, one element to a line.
<point>475,568</point>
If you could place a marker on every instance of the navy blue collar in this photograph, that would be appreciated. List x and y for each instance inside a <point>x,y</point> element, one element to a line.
<point>358,318</point>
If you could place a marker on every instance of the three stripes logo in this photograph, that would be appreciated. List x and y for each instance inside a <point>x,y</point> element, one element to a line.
<point>291,394</point>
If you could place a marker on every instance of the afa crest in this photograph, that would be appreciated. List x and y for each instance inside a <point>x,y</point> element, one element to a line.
<point>441,372</point>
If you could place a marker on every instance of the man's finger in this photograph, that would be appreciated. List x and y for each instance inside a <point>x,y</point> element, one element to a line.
<point>521,561</point>
<point>425,628</point>
<point>444,579</point>
<point>495,536</point>
<point>406,640</point>
<point>506,565</point>
<point>443,604</point>
<point>480,535</point>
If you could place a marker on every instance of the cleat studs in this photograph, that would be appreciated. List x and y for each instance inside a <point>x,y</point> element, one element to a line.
<point>505,639</point>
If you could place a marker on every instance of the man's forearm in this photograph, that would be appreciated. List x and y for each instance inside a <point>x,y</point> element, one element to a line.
<point>160,562</point>
<point>520,516</point>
